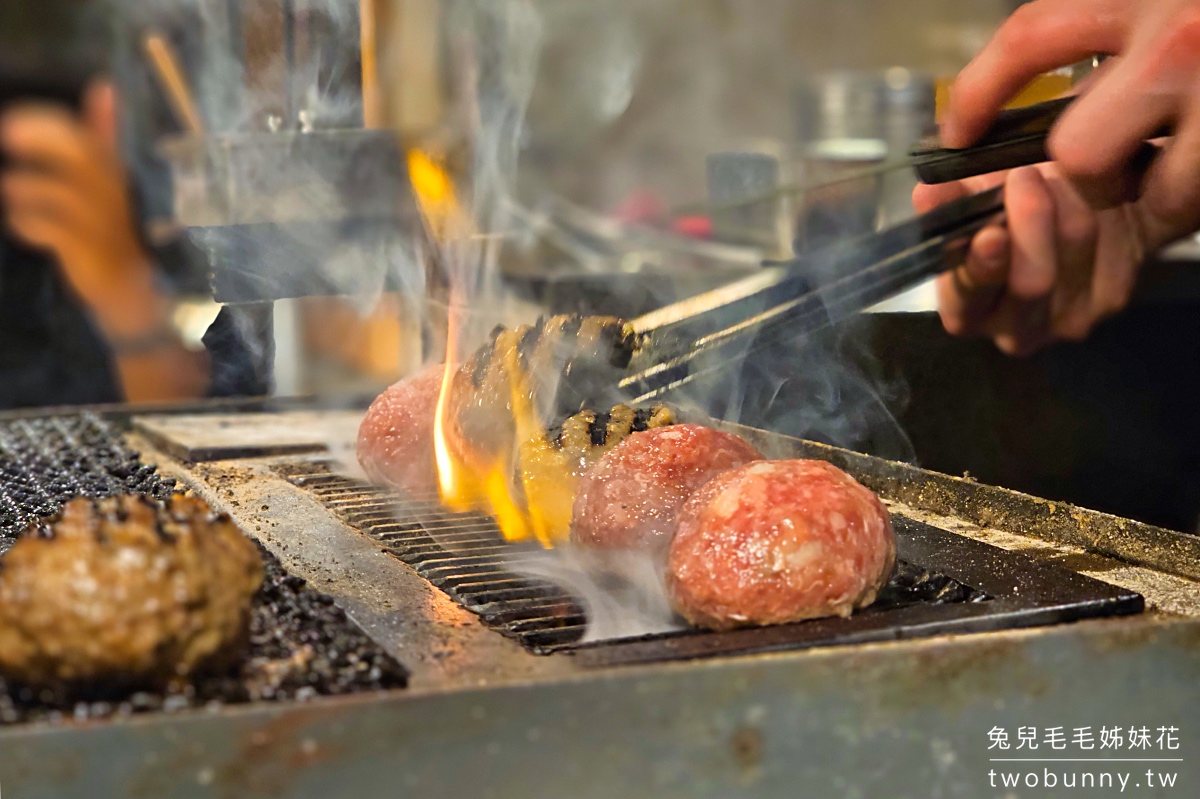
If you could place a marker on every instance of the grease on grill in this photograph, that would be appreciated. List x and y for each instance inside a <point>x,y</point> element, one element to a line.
<point>913,585</point>
<point>302,645</point>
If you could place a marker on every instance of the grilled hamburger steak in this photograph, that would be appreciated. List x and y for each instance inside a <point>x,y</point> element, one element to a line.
<point>630,499</point>
<point>779,541</point>
<point>523,381</point>
<point>126,591</point>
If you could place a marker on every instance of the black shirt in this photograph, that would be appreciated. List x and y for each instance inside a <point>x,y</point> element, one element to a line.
<point>50,352</point>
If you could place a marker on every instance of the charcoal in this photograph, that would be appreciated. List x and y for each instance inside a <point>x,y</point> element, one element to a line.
<point>302,645</point>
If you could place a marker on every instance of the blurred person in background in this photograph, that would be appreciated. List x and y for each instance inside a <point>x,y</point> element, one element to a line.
<point>1075,239</point>
<point>86,303</point>
<point>82,315</point>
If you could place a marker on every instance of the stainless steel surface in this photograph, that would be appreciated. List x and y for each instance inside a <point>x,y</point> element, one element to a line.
<point>255,178</point>
<point>747,207</point>
<point>709,301</point>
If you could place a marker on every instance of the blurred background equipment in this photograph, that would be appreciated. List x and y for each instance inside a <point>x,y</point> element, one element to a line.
<point>297,190</point>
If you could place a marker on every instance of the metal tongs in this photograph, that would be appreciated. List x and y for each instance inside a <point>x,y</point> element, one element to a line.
<point>792,299</point>
<point>796,298</point>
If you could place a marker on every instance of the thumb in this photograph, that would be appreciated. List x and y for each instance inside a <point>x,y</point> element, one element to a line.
<point>100,115</point>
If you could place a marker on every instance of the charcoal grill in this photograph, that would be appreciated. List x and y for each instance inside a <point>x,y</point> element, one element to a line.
<point>44,463</point>
<point>970,634</point>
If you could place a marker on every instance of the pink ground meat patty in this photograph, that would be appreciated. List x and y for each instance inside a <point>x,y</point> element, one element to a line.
<point>630,498</point>
<point>779,541</point>
<point>395,440</point>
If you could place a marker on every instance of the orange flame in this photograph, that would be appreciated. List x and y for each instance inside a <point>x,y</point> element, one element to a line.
<point>435,193</point>
<point>530,494</point>
<point>526,484</point>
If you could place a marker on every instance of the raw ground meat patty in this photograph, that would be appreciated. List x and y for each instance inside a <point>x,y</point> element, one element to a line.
<point>776,542</point>
<point>631,497</point>
<point>395,440</point>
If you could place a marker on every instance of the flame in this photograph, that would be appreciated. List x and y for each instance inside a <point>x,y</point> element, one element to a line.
<point>434,191</point>
<point>527,486</point>
<point>452,481</point>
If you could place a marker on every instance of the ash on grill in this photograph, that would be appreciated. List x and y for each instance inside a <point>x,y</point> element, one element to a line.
<point>302,645</point>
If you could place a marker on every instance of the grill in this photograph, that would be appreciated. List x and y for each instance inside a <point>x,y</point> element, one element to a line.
<point>302,645</point>
<point>943,583</point>
<point>500,669</point>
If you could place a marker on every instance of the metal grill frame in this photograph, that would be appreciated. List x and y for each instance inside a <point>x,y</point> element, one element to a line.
<point>1010,589</point>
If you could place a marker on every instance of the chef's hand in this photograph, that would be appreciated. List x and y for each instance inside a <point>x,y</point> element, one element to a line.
<point>1074,244</point>
<point>1053,271</point>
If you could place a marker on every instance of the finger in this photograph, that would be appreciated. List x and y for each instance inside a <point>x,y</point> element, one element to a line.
<point>47,137</point>
<point>41,231</point>
<point>926,197</point>
<point>968,295</point>
<point>1119,255</point>
<point>1028,330</point>
<point>1031,224</point>
<point>1019,327</point>
<point>35,193</point>
<point>1171,191</point>
<point>100,115</point>
<point>1077,228</point>
<point>1151,87</point>
<point>987,261</point>
<point>1038,37</point>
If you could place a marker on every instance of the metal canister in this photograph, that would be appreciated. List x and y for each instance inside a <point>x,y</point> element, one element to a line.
<point>841,129</point>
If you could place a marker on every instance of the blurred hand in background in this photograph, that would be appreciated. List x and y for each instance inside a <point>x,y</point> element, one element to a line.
<point>65,191</point>
<point>1074,243</point>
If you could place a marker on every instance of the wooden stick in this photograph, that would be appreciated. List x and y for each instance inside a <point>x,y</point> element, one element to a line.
<point>369,31</point>
<point>173,82</point>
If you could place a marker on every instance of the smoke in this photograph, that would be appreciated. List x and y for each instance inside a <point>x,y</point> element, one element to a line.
<point>622,593</point>
<point>555,113</point>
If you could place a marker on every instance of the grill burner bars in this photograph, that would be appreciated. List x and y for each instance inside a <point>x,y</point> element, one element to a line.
<point>944,583</point>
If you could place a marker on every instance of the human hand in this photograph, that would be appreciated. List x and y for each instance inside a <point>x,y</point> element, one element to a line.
<point>1153,83</point>
<point>1073,243</point>
<point>1055,269</point>
<point>65,191</point>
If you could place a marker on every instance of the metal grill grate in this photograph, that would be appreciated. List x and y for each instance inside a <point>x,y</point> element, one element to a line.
<point>466,556</point>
